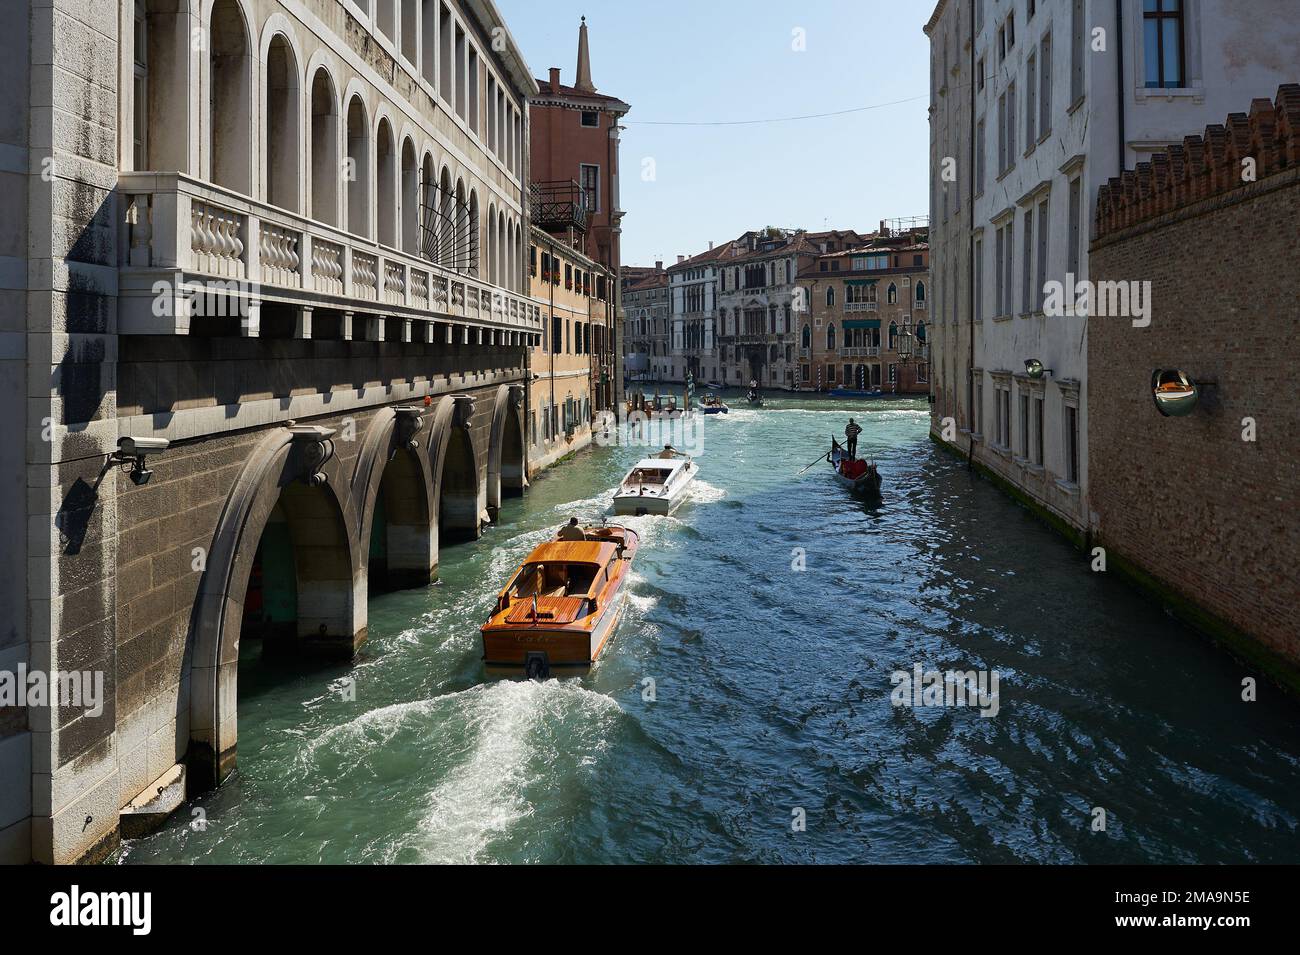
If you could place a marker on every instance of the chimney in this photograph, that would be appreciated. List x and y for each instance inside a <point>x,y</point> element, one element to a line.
<point>555,79</point>
<point>681,259</point>
<point>583,81</point>
<point>710,245</point>
<point>659,265</point>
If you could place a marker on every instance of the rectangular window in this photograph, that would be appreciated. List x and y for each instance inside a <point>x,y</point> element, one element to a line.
<point>1045,86</point>
<point>140,92</point>
<point>1009,264</point>
<point>1038,431</point>
<point>1027,263</point>
<point>444,54</point>
<point>460,72</point>
<point>1077,51</point>
<point>1031,100</point>
<point>979,401</point>
<point>1042,256</point>
<point>591,186</point>
<point>1162,43</point>
<point>979,280</point>
<point>1011,124</point>
<point>999,291</point>
<point>1024,424</point>
<point>979,157</point>
<point>475,117</point>
<point>1002,133</point>
<point>1072,444</point>
<point>591,118</point>
<point>1073,236</point>
<point>979,74</point>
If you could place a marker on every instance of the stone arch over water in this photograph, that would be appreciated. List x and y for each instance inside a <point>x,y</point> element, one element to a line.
<point>506,466</point>
<point>292,476</point>
<point>392,488</point>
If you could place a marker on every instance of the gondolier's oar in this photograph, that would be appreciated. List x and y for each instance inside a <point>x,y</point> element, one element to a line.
<point>818,461</point>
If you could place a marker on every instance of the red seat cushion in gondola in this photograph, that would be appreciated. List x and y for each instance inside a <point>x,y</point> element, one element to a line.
<point>853,469</point>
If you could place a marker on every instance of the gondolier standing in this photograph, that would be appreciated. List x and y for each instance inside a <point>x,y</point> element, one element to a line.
<point>851,432</point>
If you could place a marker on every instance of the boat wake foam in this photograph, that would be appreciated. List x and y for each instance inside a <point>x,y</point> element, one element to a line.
<point>520,732</point>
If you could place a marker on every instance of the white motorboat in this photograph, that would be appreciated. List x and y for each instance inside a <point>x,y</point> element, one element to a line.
<point>655,485</point>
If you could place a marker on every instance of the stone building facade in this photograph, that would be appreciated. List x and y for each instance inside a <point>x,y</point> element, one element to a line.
<point>1201,509</point>
<point>856,306</point>
<point>286,237</point>
<point>1033,107</point>
<point>645,329</point>
<point>575,137</point>
<point>572,366</point>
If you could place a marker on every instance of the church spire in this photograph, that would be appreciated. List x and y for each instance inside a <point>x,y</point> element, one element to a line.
<point>583,82</point>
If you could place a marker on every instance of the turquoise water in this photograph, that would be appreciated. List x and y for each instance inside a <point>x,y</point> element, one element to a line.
<point>771,692</point>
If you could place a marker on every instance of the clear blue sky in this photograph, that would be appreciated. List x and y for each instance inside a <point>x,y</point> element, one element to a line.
<point>728,60</point>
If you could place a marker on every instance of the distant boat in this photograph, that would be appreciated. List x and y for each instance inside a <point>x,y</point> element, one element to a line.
<point>855,393</point>
<point>754,398</point>
<point>859,476</point>
<point>655,485</point>
<point>561,604</point>
<point>712,404</point>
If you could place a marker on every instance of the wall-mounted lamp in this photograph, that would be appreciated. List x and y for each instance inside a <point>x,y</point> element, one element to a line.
<point>1175,393</point>
<point>131,452</point>
<point>1034,368</point>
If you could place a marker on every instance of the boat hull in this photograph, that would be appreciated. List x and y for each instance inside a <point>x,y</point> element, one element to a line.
<point>580,647</point>
<point>867,485</point>
<point>557,633</point>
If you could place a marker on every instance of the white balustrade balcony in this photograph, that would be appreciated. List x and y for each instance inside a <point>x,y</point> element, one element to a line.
<point>185,237</point>
<point>861,306</point>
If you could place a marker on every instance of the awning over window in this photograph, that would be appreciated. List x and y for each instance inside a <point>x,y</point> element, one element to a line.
<point>861,281</point>
<point>862,323</point>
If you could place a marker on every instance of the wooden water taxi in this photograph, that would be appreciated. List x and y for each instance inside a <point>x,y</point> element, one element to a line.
<point>561,604</point>
<point>859,476</point>
<point>655,485</point>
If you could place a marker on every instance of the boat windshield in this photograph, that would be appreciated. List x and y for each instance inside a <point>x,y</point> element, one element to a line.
<point>649,476</point>
<point>554,580</point>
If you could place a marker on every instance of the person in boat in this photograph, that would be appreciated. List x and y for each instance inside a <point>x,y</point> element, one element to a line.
<point>668,452</point>
<point>571,531</point>
<point>851,431</point>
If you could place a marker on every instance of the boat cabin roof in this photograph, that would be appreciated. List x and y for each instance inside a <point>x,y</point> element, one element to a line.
<point>573,552</point>
<point>659,464</point>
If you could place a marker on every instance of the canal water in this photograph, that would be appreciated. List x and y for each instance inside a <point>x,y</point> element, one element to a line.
<point>742,713</point>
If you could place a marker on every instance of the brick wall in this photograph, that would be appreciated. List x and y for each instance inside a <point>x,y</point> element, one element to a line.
<point>1204,517</point>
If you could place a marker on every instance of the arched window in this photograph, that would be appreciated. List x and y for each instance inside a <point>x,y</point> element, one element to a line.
<point>475,252</point>
<point>920,291</point>
<point>920,332</point>
<point>786,329</point>
<point>230,133</point>
<point>806,341</point>
<point>893,334</point>
<point>891,296</point>
<point>358,207</point>
<point>830,296</point>
<point>830,337</point>
<point>492,251</point>
<point>446,221</point>
<point>324,149</point>
<point>281,116</point>
<point>410,200</point>
<point>460,221</point>
<point>386,184</point>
